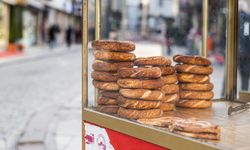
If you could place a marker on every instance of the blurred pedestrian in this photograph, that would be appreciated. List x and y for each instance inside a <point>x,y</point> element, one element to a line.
<point>53,30</point>
<point>193,41</point>
<point>244,44</point>
<point>78,35</point>
<point>169,36</point>
<point>69,33</point>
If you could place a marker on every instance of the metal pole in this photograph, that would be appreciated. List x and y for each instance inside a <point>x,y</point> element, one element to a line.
<point>84,63</point>
<point>97,32</point>
<point>85,53</point>
<point>204,28</point>
<point>97,19</point>
<point>231,50</point>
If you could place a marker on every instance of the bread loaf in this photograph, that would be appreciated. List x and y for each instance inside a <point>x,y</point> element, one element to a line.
<point>169,79</point>
<point>106,101</point>
<point>193,60</point>
<point>113,45</point>
<point>108,86</point>
<point>109,109</point>
<point>104,76</point>
<point>170,89</point>
<point>140,84</point>
<point>109,94</point>
<point>167,70</point>
<point>195,69</point>
<point>143,94</point>
<point>153,72</point>
<point>191,78</point>
<point>196,86</point>
<point>171,98</point>
<point>137,114</point>
<point>152,61</point>
<point>167,106</point>
<point>194,103</point>
<point>196,95</point>
<point>138,104</point>
<point>114,56</point>
<point>99,65</point>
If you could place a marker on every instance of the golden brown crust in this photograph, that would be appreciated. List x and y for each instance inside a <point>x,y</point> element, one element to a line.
<point>152,61</point>
<point>106,101</point>
<point>193,60</point>
<point>191,78</point>
<point>170,89</point>
<point>113,45</point>
<point>167,107</point>
<point>196,95</point>
<point>161,121</point>
<point>104,76</point>
<point>109,94</point>
<point>109,109</point>
<point>171,98</point>
<point>195,69</point>
<point>153,72</point>
<point>114,56</point>
<point>99,65</point>
<point>194,103</point>
<point>194,126</point>
<point>108,86</point>
<point>143,94</point>
<point>196,86</point>
<point>167,70</point>
<point>169,79</point>
<point>208,136</point>
<point>138,104</point>
<point>140,84</point>
<point>138,114</point>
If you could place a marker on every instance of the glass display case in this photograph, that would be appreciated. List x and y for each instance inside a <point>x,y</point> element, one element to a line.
<point>221,34</point>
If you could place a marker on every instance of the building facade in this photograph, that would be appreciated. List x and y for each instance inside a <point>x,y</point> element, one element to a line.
<point>26,22</point>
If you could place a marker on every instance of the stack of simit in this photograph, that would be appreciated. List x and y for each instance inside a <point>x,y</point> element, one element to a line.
<point>194,82</point>
<point>170,88</point>
<point>109,57</point>
<point>140,94</point>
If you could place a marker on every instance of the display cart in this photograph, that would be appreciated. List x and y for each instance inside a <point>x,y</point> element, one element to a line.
<point>103,131</point>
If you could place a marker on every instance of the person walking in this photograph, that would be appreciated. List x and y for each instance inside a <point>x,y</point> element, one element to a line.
<point>69,33</point>
<point>53,30</point>
<point>169,36</point>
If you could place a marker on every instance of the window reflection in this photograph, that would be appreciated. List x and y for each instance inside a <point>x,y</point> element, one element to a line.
<point>243,45</point>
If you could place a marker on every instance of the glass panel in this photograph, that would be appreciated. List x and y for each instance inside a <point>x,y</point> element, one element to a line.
<point>163,27</point>
<point>217,44</point>
<point>243,46</point>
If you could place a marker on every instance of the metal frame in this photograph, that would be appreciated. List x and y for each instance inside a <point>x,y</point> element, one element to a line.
<point>231,50</point>
<point>204,27</point>
<point>98,26</point>
<point>133,129</point>
<point>84,62</point>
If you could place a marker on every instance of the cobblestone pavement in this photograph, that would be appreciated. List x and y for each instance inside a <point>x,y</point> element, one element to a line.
<point>40,99</point>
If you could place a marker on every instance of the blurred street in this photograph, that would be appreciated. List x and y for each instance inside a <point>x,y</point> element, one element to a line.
<point>41,102</point>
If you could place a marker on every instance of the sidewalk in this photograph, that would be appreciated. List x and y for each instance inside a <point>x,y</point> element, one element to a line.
<point>57,128</point>
<point>36,52</point>
<point>63,130</point>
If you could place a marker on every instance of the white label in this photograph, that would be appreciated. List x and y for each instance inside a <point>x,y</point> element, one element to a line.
<point>96,138</point>
<point>246,28</point>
